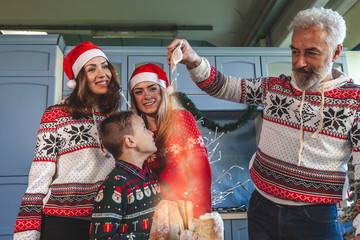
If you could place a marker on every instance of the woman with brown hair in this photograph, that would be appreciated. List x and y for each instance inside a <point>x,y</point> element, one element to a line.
<point>70,163</point>
<point>181,161</point>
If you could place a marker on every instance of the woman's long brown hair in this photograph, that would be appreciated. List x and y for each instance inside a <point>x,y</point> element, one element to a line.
<point>80,103</point>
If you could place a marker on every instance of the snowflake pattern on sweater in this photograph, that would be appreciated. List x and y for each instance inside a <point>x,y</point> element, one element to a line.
<point>185,173</point>
<point>318,173</point>
<point>66,172</point>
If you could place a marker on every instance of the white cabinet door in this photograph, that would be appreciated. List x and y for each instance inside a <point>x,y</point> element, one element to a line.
<point>241,67</point>
<point>239,229</point>
<point>275,66</point>
<point>244,67</point>
<point>29,83</point>
<point>25,100</point>
<point>227,230</point>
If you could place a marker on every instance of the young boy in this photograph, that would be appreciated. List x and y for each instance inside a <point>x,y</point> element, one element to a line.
<point>126,200</point>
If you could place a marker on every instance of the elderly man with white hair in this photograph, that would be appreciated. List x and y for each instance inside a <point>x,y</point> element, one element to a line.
<point>310,131</point>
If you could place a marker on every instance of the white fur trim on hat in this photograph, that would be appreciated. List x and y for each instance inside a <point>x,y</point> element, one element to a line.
<point>146,77</point>
<point>84,58</point>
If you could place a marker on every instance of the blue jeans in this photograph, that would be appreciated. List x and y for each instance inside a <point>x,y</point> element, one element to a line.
<point>268,220</point>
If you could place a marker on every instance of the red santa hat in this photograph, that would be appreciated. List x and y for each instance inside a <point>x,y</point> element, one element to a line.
<point>117,189</point>
<point>77,58</point>
<point>149,73</point>
<point>129,192</point>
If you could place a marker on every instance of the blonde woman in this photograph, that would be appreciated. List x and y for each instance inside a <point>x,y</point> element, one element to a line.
<point>181,161</point>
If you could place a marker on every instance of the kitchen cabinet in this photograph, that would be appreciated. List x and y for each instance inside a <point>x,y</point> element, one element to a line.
<point>30,81</point>
<point>235,226</point>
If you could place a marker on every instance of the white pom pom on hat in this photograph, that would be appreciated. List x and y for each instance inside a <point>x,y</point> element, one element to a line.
<point>77,58</point>
<point>71,84</point>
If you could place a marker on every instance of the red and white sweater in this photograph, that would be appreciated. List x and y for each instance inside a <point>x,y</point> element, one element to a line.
<point>67,170</point>
<point>185,172</point>
<point>293,164</point>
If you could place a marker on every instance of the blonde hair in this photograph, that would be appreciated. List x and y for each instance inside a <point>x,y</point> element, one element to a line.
<point>165,116</point>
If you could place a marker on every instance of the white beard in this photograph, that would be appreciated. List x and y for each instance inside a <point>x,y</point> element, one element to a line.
<point>312,82</point>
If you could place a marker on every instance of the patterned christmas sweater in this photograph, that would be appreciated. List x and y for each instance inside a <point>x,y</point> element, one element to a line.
<point>306,138</point>
<point>185,171</point>
<point>125,203</point>
<point>67,170</point>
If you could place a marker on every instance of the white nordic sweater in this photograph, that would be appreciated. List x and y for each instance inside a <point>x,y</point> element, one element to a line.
<point>306,138</point>
<point>66,172</point>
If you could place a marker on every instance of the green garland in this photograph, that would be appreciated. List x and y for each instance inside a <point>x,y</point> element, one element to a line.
<point>210,124</point>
